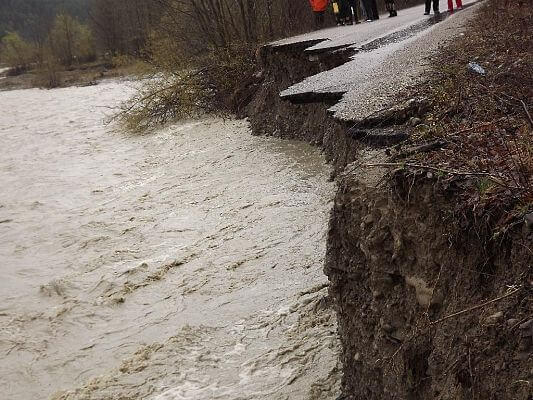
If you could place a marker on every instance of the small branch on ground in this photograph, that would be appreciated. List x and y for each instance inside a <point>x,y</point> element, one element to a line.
<point>477,307</point>
<point>491,177</point>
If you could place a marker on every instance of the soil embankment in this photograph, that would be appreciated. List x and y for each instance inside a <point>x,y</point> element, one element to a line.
<point>411,273</point>
<point>307,119</point>
<point>430,270</point>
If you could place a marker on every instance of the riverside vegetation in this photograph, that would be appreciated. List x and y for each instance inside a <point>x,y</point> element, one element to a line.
<point>202,47</point>
<point>60,43</point>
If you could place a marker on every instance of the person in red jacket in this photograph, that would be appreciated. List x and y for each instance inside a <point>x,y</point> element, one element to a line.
<point>319,8</point>
<point>459,5</point>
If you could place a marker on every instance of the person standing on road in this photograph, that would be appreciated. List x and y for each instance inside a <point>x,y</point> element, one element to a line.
<point>371,9</point>
<point>391,8</point>
<point>435,7</point>
<point>459,5</point>
<point>343,12</point>
<point>352,5</point>
<point>319,8</point>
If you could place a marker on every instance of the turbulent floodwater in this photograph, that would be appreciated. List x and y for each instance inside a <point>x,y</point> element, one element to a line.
<point>186,264</point>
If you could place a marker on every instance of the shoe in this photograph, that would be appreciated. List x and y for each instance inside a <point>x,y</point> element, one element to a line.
<point>426,13</point>
<point>369,20</point>
<point>460,8</point>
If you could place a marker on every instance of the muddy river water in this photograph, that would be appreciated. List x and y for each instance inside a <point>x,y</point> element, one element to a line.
<point>184,264</point>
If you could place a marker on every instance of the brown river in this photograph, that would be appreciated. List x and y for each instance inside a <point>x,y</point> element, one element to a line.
<point>182,264</point>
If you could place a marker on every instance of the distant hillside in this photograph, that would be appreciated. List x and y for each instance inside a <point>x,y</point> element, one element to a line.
<point>31,18</point>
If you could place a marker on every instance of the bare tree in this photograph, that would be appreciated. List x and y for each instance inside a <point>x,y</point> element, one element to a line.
<point>123,26</point>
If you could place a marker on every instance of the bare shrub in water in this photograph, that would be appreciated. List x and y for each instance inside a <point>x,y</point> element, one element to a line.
<point>204,54</point>
<point>190,90</point>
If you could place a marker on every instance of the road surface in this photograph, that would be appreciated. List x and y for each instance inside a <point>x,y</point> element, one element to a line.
<point>390,55</point>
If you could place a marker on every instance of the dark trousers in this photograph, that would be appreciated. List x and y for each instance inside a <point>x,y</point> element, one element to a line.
<point>435,6</point>
<point>353,5</point>
<point>344,7</point>
<point>319,19</point>
<point>375,9</point>
<point>371,9</point>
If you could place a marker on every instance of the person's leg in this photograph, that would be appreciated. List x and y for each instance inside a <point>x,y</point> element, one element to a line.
<point>391,8</point>
<point>368,9</point>
<point>428,7</point>
<point>363,10</point>
<point>459,4</point>
<point>436,6</point>
<point>347,12</point>
<point>337,12</point>
<point>342,11</point>
<point>358,11</point>
<point>354,9</point>
<point>321,19</point>
<point>375,11</point>
<point>450,5</point>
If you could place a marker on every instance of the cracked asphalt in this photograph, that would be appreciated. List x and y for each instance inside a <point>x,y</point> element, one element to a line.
<point>391,55</point>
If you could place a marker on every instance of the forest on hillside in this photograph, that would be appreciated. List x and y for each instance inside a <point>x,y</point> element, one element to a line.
<point>170,35</point>
<point>32,18</point>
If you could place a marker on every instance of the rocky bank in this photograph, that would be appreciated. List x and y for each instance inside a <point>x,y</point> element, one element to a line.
<point>430,303</point>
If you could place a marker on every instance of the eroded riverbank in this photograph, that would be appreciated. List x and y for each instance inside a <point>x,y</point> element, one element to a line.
<point>183,264</point>
<point>429,268</point>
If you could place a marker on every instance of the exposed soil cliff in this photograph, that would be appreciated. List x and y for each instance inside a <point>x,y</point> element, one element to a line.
<point>402,258</point>
<point>306,120</point>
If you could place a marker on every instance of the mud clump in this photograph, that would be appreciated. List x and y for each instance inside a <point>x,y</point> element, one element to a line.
<point>430,303</point>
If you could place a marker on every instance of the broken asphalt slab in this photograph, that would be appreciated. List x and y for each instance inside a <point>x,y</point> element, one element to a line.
<point>390,55</point>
